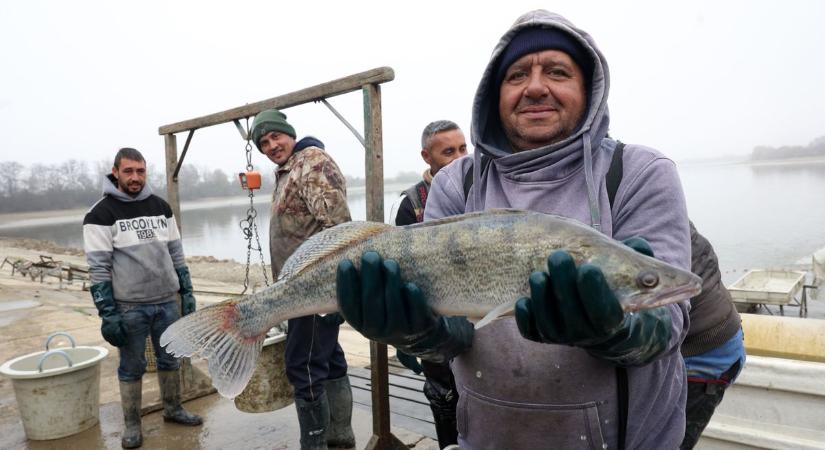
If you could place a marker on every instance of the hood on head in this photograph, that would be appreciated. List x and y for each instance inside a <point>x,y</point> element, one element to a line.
<point>486,131</point>
<point>308,141</point>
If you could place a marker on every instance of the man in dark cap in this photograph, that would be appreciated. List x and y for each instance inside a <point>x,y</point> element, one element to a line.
<point>310,196</point>
<point>442,142</point>
<point>571,369</point>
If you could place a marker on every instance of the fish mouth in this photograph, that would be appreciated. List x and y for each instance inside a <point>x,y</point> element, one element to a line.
<point>667,296</point>
<point>676,294</point>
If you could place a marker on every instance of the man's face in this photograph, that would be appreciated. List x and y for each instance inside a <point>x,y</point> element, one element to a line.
<point>541,99</point>
<point>445,147</point>
<point>131,176</point>
<point>277,146</point>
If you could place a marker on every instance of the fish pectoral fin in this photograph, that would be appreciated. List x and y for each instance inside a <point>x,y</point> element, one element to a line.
<point>503,309</point>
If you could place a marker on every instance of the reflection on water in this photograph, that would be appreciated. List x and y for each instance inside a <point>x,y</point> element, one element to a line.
<point>755,216</point>
<point>758,216</point>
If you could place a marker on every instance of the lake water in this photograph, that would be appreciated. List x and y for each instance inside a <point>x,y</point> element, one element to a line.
<point>765,216</point>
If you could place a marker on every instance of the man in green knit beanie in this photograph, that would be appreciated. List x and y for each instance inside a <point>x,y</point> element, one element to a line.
<point>310,196</point>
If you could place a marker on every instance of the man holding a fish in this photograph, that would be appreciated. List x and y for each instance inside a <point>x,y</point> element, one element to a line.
<point>572,368</point>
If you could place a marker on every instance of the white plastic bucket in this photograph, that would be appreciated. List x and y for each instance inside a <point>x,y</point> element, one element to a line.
<point>57,391</point>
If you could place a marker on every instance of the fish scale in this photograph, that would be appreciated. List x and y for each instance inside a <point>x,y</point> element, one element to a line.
<point>475,265</point>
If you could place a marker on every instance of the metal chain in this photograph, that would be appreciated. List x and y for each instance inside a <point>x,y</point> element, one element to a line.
<point>249,228</point>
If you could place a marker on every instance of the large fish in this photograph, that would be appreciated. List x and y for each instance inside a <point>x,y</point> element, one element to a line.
<point>475,265</point>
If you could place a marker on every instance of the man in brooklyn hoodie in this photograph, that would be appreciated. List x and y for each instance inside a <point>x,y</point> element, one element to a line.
<point>571,369</point>
<point>137,270</point>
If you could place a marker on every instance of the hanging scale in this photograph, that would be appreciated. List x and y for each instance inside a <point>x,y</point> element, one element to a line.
<point>251,180</point>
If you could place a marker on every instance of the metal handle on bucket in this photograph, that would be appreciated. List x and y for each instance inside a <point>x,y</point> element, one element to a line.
<point>59,333</point>
<point>50,353</point>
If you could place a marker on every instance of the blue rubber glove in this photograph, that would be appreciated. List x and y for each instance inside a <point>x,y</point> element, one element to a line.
<point>186,291</point>
<point>575,306</point>
<point>112,326</point>
<point>379,305</point>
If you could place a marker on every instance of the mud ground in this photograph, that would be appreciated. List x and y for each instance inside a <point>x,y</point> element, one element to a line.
<point>30,311</point>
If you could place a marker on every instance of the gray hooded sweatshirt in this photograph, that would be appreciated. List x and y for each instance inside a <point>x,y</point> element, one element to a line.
<point>515,393</point>
<point>134,243</point>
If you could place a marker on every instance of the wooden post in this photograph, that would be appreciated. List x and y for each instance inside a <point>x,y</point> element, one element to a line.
<point>369,83</point>
<point>381,438</point>
<point>171,144</point>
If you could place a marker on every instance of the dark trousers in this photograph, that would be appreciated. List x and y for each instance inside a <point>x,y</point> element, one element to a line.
<point>702,400</point>
<point>141,320</point>
<point>440,390</point>
<point>313,356</point>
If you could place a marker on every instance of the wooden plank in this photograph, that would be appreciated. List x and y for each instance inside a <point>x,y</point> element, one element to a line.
<point>382,438</point>
<point>325,90</point>
<point>380,392</point>
<point>361,400</point>
<point>415,382</point>
<point>171,145</point>
<point>374,155</point>
<point>409,393</point>
<point>406,414</point>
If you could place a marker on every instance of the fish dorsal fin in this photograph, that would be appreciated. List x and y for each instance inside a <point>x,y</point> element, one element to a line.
<point>328,242</point>
<point>468,216</point>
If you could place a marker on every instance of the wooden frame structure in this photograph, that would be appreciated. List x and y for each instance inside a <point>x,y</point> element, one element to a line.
<point>369,83</point>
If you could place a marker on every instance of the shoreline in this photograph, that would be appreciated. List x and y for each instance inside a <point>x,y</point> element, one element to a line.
<point>61,216</point>
<point>746,161</point>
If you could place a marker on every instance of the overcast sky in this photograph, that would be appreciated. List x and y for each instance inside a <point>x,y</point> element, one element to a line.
<point>695,79</point>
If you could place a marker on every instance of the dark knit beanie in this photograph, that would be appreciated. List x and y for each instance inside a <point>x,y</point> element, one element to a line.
<point>270,120</point>
<point>535,39</point>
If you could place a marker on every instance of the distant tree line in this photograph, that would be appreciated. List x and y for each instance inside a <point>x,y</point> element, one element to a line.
<point>815,148</point>
<point>78,184</point>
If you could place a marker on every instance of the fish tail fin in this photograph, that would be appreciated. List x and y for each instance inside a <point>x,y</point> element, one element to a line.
<point>213,333</point>
<point>500,310</point>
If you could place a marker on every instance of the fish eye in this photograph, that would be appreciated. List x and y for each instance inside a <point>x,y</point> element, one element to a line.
<point>647,279</point>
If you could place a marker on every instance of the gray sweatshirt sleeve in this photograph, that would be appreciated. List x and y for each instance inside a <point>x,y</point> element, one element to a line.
<point>97,244</point>
<point>175,245</point>
<point>446,196</point>
<point>650,203</point>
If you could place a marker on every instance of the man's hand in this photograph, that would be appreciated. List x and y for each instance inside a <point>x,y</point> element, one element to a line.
<point>186,291</point>
<point>379,305</point>
<point>112,325</point>
<point>575,306</point>
<point>409,361</point>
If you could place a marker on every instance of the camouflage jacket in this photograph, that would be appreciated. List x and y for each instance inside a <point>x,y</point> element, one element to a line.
<point>310,196</point>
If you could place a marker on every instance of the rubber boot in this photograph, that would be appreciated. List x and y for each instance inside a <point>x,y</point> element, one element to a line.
<point>169,381</point>
<point>339,394</point>
<point>313,417</point>
<point>130,398</point>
